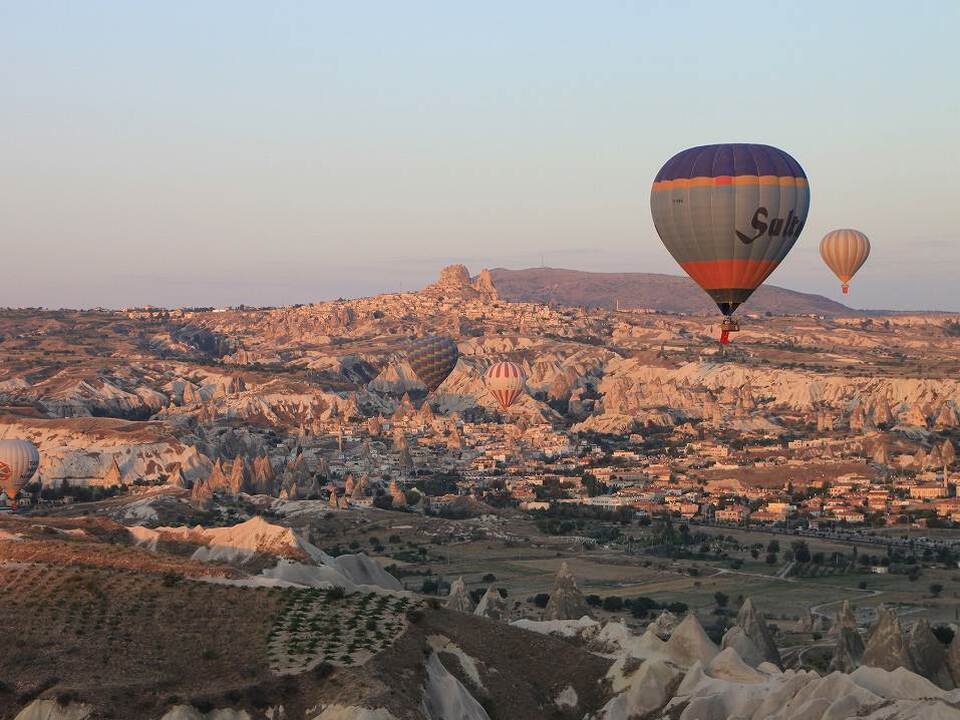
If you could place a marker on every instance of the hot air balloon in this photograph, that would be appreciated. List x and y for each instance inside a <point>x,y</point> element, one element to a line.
<point>729,214</point>
<point>18,463</point>
<point>845,251</point>
<point>433,359</point>
<point>505,381</point>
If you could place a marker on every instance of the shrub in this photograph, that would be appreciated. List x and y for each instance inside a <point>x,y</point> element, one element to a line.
<point>943,633</point>
<point>612,603</point>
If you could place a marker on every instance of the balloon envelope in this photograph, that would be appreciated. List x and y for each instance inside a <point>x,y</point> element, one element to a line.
<point>845,251</point>
<point>19,460</point>
<point>433,359</point>
<point>729,214</point>
<point>505,381</point>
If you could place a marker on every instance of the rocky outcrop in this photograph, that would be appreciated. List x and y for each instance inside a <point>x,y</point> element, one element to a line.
<point>492,605</point>
<point>736,639</point>
<point>844,618</point>
<point>952,659</point>
<point>886,645</point>
<point>484,285</point>
<point>397,496</point>
<point>647,690</point>
<point>201,494</point>
<point>754,625</point>
<point>948,453</point>
<point>53,710</point>
<point>848,654</point>
<point>664,624</point>
<point>928,654</point>
<point>455,283</point>
<point>689,644</point>
<point>566,601</point>
<point>445,697</point>
<point>458,598</point>
<point>946,418</point>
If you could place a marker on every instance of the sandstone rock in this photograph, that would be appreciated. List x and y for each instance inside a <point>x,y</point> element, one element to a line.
<point>217,481</point>
<point>566,601</point>
<point>754,625</point>
<point>454,276</point>
<point>397,495</point>
<point>459,599</point>
<point>689,644</point>
<point>948,453</point>
<point>648,690</point>
<point>916,416</point>
<point>946,418</point>
<point>844,618</point>
<point>492,605</point>
<point>886,645</point>
<point>952,659</point>
<point>53,710</point>
<point>928,654</point>
<point>484,285</point>
<point>665,623</point>
<point>176,478</point>
<point>849,651</point>
<point>736,639</point>
<point>201,494</point>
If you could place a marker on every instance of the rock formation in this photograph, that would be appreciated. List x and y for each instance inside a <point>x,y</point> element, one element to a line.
<point>459,599</point>
<point>737,639</point>
<point>928,654</point>
<point>397,496</point>
<point>948,453</point>
<point>566,601</point>
<point>176,478</point>
<point>455,283</point>
<point>113,478</point>
<point>484,285</point>
<point>844,618</point>
<point>689,644</point>
<point>492,605</point>
<point>952,659</point>
<point>754,626</point>
<point>263,476</point>
<point>848,654</point>
<point>201,494</point>
<point>946,418</point>
<point>217,481</point>
<point>886,645</point>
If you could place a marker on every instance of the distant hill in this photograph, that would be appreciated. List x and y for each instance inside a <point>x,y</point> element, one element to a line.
<point>669,293</point>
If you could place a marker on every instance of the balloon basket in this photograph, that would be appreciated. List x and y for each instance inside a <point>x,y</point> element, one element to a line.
<point>845,288</point>
<point>726,327</point>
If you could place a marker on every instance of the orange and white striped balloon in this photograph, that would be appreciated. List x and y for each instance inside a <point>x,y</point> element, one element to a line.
<point>845,251</point>
<point>505,380</point>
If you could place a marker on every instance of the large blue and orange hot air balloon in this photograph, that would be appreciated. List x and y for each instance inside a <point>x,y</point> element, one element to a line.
<point>729,214</point>
<point>433,359</point>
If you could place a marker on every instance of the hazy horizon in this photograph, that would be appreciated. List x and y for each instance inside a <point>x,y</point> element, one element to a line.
<point>233,153</point>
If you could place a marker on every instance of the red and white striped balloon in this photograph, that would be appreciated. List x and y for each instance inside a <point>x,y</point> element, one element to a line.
<point>505,380</point>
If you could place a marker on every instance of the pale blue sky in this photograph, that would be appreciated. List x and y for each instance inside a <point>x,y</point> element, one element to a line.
<point>224,152</point>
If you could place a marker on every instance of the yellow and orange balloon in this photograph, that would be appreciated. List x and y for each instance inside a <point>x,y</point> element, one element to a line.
<point>845,251</point>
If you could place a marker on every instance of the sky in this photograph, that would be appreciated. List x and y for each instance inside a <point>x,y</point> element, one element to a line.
<point>218,153</point>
